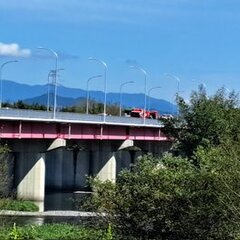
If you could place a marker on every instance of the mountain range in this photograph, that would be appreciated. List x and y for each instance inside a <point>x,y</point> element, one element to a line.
<point>13,91</point>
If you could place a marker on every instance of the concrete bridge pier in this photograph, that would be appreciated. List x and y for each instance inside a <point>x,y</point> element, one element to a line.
<point>30,176</point>
<point>29,168</point>
<point>103,161</point>
<point>110,157</point>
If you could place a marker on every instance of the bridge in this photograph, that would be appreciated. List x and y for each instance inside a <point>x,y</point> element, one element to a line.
<point>17,123</point>
<point>58,152</point>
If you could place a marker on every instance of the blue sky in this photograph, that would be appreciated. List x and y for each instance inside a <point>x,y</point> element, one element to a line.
<point>191,39</point>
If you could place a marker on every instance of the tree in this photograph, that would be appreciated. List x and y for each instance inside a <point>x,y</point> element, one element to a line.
<point>205,121</point>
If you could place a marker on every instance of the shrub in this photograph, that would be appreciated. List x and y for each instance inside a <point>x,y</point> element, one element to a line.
<point>5,178</point>
<point>169,198</point>
<point>17,205</point>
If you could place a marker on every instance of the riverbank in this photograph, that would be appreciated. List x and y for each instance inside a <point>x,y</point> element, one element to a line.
<point>50,214</point>
<point>52,225</point>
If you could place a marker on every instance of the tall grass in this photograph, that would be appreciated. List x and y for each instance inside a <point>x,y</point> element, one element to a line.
<point>17,205</point>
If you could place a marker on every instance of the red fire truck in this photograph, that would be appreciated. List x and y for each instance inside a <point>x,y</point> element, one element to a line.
<point>140,113</point>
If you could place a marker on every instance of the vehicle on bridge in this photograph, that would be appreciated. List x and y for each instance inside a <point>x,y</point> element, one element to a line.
<point>140,113</point>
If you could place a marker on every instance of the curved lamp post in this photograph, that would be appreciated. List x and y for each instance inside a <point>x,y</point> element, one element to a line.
<point>105,84</point>
<point>55,78</point>
<point>89,79</point>
<point>4,64</point>
<point>178,84</point>
<point>176,78</point>
<point>145,90</point>
<point>120,100</point>
<point>149,91</point>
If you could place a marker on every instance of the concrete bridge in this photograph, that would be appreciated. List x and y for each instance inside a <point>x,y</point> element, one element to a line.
<point>59,153</point>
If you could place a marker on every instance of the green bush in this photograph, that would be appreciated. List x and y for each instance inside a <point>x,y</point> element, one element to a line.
<point>17,205</point>
<point>170,198</point>
<point>5,177</point>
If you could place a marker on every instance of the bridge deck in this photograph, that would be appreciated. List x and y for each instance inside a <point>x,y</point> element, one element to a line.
<point>29,124</point>
<point>32,115</point>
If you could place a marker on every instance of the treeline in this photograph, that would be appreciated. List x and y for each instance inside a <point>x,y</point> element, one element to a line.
<point>21,105</point>
<point>94,107</point>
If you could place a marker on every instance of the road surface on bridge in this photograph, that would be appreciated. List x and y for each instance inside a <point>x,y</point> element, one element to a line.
<point>44,116</point>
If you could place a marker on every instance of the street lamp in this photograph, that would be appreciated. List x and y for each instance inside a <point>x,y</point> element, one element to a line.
<point>178,83</point>
<point>97,76</point>
<point>149,91</point>
<point>5,63</point>
<point>120,91</point>
<point>51,74</point>
<point>145,90</point>
<point>105,84</point>
<point>176,78</point>
<point>55,78</point>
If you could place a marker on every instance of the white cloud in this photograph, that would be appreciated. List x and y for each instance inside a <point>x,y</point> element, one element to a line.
<point>13,50</point>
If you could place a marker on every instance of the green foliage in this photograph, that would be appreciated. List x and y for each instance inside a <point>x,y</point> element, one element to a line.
<point>223,162</point>
<point>15,233</point>
<point>80,108</point>
<point>17,205</point>
<point>170,198</point>
<point>53,231</point>
<point>5,178</point>
<point>194,195</point>
<point>94,108</point>
<point>205,121</point>
<point>109,234</point>
<point>21,105</point>
<point>113,109</point>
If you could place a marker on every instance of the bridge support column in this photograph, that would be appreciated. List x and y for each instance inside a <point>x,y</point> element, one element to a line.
<point>103,161</point>
<point>30,176</point>
<point>82,169</point>
<point>54,172</point>
<point>108,168</point>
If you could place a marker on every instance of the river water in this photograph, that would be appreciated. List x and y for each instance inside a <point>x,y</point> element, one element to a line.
<point>65,200</point>
<point>55,201</point>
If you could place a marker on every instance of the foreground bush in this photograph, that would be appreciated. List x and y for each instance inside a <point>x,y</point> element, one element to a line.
<point>17,205</point>
<point>53,232</point>
<point>172,199</point>
<point>5,165</point>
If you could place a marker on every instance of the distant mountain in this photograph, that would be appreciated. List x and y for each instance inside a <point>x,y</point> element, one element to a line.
<point>61,101</point>
<point>13,91</point>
